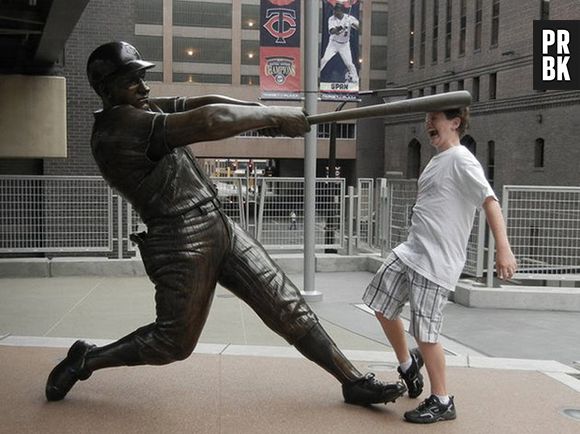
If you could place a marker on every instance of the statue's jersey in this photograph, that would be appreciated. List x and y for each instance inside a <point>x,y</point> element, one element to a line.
<point>160,189</point>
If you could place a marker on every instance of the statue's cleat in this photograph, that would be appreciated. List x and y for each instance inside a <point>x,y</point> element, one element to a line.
<point>72,369</point>
<point>368,390</point>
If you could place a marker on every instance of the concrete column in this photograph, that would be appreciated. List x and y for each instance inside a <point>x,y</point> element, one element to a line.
<point>365,71</point>
<point>236,43</point>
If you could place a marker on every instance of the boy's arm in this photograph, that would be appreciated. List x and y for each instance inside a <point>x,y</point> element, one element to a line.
<point>505,261</point>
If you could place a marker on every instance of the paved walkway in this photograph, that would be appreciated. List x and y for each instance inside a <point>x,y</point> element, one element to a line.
<point>517,361</point>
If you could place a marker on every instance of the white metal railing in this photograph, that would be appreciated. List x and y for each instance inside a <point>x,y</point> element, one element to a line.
<point>365,211</point>
<point>55,214</point>
<point>543,226</point>
<point>399,201</point>
<point>46,214</point>
<point>281,213</point>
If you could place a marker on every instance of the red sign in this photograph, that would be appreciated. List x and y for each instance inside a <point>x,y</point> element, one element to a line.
<point>280,49</point>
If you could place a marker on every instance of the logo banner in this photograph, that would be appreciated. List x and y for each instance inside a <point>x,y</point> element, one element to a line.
<point>557,55</point>
<point>280,67</point>
<point>339,78</point>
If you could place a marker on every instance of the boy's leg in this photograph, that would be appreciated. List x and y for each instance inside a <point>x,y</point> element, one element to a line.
<point>434,358</point>
<point>386,295</point>
<point>427,300</point>
<point>395,332</point>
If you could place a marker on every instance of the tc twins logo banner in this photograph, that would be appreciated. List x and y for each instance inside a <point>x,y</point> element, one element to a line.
<point>280,49</point>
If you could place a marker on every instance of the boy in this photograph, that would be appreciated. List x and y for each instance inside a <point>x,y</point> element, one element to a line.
<point>425,268</point>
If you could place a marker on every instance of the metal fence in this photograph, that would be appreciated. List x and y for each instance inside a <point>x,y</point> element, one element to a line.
<point>55,214</point>
<point>400,197</point>
<point>281,213</point>
<point>543,225</point>
<point>365,211</point>
<point>51,214</point>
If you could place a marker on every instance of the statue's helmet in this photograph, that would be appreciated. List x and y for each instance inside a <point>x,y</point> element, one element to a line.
<point>340,7</point>
<point>114,59</point>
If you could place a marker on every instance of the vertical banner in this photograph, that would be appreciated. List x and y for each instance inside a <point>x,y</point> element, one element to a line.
<point>280,68</point>
<point>339,77</point>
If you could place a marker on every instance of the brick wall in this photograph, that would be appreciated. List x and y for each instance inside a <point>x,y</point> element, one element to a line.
<point>102,21</point>
<point>515,119</point>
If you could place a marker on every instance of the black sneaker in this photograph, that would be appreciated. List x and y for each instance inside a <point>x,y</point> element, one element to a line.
<point>431,410</point>
<point>368,390</point>
<point>413,378</point>
<point>72,369</point>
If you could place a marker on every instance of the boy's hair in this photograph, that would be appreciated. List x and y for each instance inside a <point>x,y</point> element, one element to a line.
<point>461,113</point>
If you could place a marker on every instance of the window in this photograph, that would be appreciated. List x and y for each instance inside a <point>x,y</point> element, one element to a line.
<point>377,84</point>
<point>475,89</point>
<point>412,35</point>
<point>490,161</point>
<point>343,131</point>
<point>433,90</point>
<point>379,57</point>
<point>154,76</point>
<point>149,12</point>
<point>423,35</point>
<point>421,92</point>
<point>202,78</point>
<point>250,52</point>
<point>448,27</point>
<point>202,50</point>
<point>545,10</point>
<point>477,29</point>
<point>379,20</point>
<point>413,159</point>
<point>151,48</point>
<point>469,143</point>
<point>539,153</point>
<point>462,26</point>
<point>493,85</point>
<point>446,87</point>
<point>202,14</point>
<point>435,40</point>
<point>251,17</point>
<point>494,23</point>
<point>460,84</point>
<point>251,80</point>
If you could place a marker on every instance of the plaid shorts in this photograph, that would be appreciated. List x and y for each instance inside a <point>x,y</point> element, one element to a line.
<point>394,285</point>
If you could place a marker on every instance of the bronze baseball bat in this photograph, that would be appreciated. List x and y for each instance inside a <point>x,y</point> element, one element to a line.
<point>431,103</point>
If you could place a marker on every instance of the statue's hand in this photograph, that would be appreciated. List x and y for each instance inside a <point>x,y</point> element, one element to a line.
<point>292,121</point>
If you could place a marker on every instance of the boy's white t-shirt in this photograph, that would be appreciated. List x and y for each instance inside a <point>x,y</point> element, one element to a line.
<point>450,189</point>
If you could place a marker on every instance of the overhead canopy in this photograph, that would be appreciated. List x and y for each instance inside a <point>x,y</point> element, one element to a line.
<point>33,33</point>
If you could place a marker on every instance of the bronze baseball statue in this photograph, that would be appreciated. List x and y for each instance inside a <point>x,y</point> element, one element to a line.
<point>140,146</point>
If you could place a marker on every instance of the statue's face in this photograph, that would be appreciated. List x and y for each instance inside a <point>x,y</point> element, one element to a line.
<point>131,89</point>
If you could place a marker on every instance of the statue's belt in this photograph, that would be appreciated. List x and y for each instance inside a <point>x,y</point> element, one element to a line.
<point>205,206</point>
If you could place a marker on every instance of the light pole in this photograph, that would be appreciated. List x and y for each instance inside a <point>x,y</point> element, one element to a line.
<point>330,221</point>
<point>311,15</point>
<point>332,144</point>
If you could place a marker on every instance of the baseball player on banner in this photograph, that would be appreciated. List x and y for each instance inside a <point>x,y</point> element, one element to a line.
<point>340,25</point>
